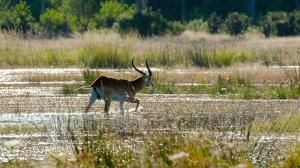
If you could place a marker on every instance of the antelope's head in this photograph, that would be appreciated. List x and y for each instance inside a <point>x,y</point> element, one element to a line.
<point>147,78</point>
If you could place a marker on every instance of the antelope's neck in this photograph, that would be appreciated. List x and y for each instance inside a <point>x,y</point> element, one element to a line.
<point>138,84</point>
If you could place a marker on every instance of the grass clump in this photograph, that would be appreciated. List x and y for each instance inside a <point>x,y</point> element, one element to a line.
<point>105,57</point>
<point>288,123</point>
<point>24,128</point>
<point>293,159</point>
<point>207,59</point>
<point>99,148</point>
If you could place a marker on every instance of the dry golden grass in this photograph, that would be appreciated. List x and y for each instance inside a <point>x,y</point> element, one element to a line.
<point>255,74</point>
<point>284,50</point>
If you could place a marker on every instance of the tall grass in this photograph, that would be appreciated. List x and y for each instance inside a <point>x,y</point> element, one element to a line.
<point>203,58</point>
<point>235,87</point>
<point>94,146</point>
<point>105,57</point>
<point>99,148</point>
<point>110,50</point>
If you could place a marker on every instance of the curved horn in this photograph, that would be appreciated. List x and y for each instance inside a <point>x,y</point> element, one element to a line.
<point>150,73</point>
<point>141,72</point>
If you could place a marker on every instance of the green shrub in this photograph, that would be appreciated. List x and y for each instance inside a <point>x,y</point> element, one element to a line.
<point>80,14</point>
<point>294,21</point>
<point>276,23</point>
<point>214,23</point>
<point>54,22</point>
<point>197,25</point>
<point>236,23</point>
<point>18,17</point>
<point>267,27</point>
<point>146,23</point>
<point>111,11</point>
<point>175,28</point>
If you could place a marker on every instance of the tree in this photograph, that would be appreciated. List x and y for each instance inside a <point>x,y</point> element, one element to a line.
<point>236,23</point>
<point>214,23</point>
<point>111,11</point>
<point>80,13</point>
<point>16,17</point>
<point>141,5</point>
<point>54,22</point>
<point>297,4</point>
<point>251,9</point>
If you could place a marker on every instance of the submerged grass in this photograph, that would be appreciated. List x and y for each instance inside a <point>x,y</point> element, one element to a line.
<point>103,149</point>
<point>100,147</point>
<point>286,123</point>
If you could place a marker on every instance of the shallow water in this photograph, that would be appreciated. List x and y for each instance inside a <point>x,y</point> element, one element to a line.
<point>43,106</point>
<point>158,113</point>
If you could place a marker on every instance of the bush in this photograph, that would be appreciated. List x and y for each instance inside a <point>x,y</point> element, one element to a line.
<point>54,22</point>
<point>146,23</point>
<point>175,27</point>
<point>111,11</point>
<point>17,18</point>
<point>197,25</point>
<point>267,27</point>
<point>282,23</point>
<point>237,23</point>
<point>214,23</point>
<point>294,21</point>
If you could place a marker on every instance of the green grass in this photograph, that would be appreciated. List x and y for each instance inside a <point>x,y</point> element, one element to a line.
<point>226,87</point>
<point>24,128</point>
<point>287,123</point>
<point>218,58</point>
<point>111,50</point>
<point>101,148</point>
<point>217,91</point>
<point>104,57</point>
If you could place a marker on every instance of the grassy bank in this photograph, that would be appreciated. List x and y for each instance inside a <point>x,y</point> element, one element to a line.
<point>110,50</point>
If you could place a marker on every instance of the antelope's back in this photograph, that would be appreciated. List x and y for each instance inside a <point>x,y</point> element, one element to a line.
<point>113,83</point>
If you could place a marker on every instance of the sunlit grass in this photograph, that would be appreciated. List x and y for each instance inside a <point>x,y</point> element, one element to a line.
<point>23,128</point>
<point>110,50</point>
<point>286,123</point>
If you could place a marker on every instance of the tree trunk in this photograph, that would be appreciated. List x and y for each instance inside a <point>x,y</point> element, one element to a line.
<point>43,6</point>
<point>183,10</point>
<point>141,5</point>
<point>297,4</point>
<point>251,9</point>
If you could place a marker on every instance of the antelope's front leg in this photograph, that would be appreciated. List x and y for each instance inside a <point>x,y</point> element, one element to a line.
<point>134,100</point>
<point>106,106</point>
<point>122,107</point>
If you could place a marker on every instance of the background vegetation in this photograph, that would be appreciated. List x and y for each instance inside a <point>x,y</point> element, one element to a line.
<point>62,17</point>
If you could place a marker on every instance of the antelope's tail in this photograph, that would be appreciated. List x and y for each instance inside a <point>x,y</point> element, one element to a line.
<point>83,87</point>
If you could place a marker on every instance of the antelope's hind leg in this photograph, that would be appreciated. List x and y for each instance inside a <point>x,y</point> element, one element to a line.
<point>94,96</point>
<point>106,106</point>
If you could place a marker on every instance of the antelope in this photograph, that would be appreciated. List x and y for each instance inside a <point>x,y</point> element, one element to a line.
<point>111,89</point>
